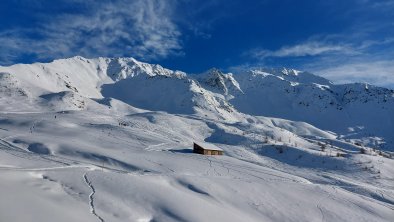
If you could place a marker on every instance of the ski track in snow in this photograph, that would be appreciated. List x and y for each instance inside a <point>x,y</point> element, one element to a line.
<point>150,147</point>
<point>319,205</point>
<point>91,198</point>
<point>44,168</point>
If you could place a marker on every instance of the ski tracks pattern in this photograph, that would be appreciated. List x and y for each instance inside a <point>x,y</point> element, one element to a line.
<point>91,198</point>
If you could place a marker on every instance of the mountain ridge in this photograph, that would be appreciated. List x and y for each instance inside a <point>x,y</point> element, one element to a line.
<point>280,93</point>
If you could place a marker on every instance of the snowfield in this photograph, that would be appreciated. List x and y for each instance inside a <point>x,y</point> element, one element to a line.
<point>111,140</point>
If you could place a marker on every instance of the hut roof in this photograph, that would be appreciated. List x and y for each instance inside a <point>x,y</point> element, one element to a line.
<point>208,146</point>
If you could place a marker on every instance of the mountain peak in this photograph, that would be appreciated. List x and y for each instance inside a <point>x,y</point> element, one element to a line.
<point>219,81</point>
<point>287,74</point>
<point>286,71</point>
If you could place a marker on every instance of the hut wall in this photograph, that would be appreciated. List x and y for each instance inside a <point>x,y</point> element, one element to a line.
<point>201,150</point>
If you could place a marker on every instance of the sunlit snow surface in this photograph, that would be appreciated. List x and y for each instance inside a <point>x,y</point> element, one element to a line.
<point>111,140</point>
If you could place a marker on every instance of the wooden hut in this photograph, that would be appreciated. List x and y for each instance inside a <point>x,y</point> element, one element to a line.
<point>206,149</point>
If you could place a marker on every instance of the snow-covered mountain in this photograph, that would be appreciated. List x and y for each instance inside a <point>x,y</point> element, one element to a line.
<point>111,138</point>
<point>353,111</point>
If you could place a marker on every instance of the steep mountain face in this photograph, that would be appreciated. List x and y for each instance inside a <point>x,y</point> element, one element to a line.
<point>353,111</point>
<point>217,81</point>
<point>139,84</point>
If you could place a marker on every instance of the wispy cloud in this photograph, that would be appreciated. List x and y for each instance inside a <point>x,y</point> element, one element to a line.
<point>383,4</point>
<point>141,28</point>
<point>374,72</point>
<point>309,48</point>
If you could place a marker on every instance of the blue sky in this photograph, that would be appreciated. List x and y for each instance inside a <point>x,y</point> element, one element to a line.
<point>345,41</point>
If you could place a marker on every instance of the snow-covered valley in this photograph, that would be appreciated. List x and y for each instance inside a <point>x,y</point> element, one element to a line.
<point>111,140</point>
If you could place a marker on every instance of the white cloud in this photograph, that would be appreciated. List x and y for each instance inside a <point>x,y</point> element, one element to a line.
<point>385,4</point>
<point>379,73</point>
<point>141,28</point>
<point>309,48</point>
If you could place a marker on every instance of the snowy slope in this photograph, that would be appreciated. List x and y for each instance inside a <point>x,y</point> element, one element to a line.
<point>354,111</point>
<point>110,139</point>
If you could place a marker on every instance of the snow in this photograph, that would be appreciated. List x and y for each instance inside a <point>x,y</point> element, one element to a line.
<point>111,139</point>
